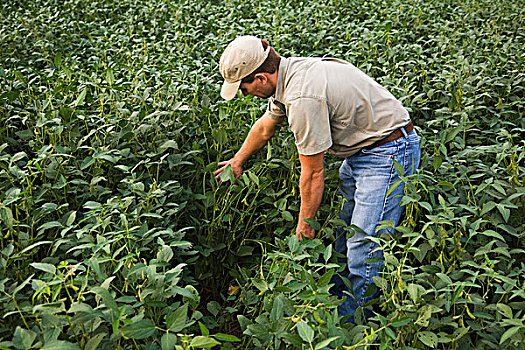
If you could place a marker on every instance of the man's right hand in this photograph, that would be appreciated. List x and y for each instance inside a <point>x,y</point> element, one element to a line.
<point>236,168</point>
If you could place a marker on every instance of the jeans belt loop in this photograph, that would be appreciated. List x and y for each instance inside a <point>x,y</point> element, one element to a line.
<point>404,132</point>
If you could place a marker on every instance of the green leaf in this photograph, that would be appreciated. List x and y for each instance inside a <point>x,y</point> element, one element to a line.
<point>45,267</point>
<point>428,338</point>
<point>444,278</point>
<point>254,178</point>
<point>380,282</point>
<point>226,337</point>
<point>183,291</point>
<point>203,342</point>
<point>176,321</point>
<point>92,205</point>
<point>505,310</point>
<point>293,243</point>
<point>436,162</point>
<point>166,254</point>
<point>393,186</point>
<point>50,224</point>
<point>313,224</point>
<point>305,331</point>
<point>260,284</point>
<point>414,291</point>
<point>204,331</point>
<point>26,249</point>
<point>169,144</point>
<point>325,343</point>
<point>287,215</point>
<point>23,338</point>
<point>109,77</point>
<point>168,341</point>
<point>277,310</point>
<point>139,330</point>
<point>92,343</point>
<point>213,307</point>
<point>7,217</point>
<point>71,218</point>
<point>401,322</point>
<point>327,253</point>
<point>107,298</point>
<point>504,212</point>
<point>80,99</point>
<point>455,131</point>
<point>280,204</point>
<point>391,333</point>
<point>243,322</point>
<point>509,333</point>
<point>87,162</point>
<point>58,59</point>
<point>21,286</point>
<point>427,206</point>
<point>494,234</point>
<point>60,345</point>
<point>400,170</point>
<point>227,174</point>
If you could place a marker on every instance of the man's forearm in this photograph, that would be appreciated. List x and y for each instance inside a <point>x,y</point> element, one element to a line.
<point>257,138</point>
<point>259,134</point>
<point>311,185</point>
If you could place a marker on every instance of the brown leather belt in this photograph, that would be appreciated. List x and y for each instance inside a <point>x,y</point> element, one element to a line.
<point>393,136</point>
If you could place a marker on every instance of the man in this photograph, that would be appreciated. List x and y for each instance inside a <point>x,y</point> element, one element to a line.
<point>331,106</point>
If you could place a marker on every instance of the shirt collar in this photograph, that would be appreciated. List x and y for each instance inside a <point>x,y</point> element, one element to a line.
<point>281,77</point>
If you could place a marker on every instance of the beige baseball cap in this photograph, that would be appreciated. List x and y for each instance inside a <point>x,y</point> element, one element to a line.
<point>241,58</point>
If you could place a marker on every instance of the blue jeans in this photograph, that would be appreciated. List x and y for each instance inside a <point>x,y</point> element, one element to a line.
<point>366,177</point>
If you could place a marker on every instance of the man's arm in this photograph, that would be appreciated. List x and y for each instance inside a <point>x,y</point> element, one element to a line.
<point>260,133</point>
<point>311,185</point>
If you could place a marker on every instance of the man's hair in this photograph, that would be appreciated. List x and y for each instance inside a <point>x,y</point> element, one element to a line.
<point>269,65</point>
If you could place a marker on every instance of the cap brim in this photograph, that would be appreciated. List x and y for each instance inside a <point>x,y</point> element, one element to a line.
<point>229,90</point>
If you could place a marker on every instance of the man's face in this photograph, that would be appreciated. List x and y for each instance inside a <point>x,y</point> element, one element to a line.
<point>260,87</point>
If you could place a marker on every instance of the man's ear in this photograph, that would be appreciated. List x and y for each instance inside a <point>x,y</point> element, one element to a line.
<point>261,77</point>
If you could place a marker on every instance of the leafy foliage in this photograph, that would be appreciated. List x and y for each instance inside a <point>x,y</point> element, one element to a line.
<point>114,233</point>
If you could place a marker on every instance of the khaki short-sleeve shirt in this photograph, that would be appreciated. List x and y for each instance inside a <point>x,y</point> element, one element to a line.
<point>333,106</point>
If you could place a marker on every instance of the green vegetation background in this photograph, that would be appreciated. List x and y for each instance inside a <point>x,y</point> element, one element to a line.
<point>114,233</point>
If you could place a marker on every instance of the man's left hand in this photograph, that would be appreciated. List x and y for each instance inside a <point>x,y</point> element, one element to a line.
<point>303,229</point>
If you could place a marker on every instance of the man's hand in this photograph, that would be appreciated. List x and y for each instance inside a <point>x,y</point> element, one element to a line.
<point>305,230</point>
<point>236,168</point>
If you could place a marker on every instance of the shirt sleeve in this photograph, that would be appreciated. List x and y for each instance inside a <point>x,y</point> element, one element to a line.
<point>276,110</point>
<point>309,120</point>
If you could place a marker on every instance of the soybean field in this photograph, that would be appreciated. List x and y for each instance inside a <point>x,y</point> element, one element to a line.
<point>114,233</point>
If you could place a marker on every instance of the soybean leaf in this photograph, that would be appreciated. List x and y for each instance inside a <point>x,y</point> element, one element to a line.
<point>139,330</point>
<point>176,321</point>
<point>227,174</point>
<point>277,310</point>
<point>168,341</point>
<point>509,333</point>
<point>203,342</point>
<point>313,224</point>
<point>325,343</point>
<point>428,338</point>
<point>213,307</point>
<point>60,345</point>
<point>305,331</point>
<point>23,338</point>
<point>226,337</point>
<point>44,267</point>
